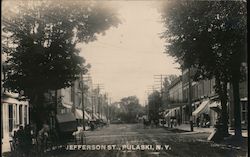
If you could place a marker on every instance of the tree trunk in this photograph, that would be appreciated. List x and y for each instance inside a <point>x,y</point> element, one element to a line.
<point>237,107</point>
<point>224,113</point>
<point>38,113</point>
<point>222,92</point>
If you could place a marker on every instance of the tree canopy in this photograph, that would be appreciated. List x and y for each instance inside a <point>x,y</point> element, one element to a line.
<point>209,36</point>
<point>154,102</point>
<point>41,42</point>
<point>130,109</point>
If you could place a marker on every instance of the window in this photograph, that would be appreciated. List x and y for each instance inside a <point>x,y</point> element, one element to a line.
<point>25,115</point>
<point>10,118</point>
<point>243,106</point>
<point>243,116</point>
<point>244,112</point>
<point>16,117</point>
<point>20,115</point>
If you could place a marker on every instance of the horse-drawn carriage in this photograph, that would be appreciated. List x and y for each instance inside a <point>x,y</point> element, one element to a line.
<point>66,130</point>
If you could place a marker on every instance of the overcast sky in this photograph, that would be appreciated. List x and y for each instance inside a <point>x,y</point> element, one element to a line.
<point>126,58</point>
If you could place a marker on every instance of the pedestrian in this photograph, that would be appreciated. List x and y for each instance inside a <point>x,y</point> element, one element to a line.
<point>179,121</point>
<point>92,126</point>
<point>20,136</point>
<point>175,122</point>
<point>171,122</point>
<point>27,140</point>
<point>198,121</point>
<point>42,138</point>
<point>144,122</point>
<point>163,122</point>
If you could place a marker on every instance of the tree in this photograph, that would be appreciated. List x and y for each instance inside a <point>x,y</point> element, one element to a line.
<point>154,102</point>
<point>42,55</point>
<point>209,36</point>
<point>166,83</point>
<point>131,109</point>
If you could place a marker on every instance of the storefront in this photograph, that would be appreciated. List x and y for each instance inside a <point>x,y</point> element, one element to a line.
<point>15,113</point>
<point>206,113</point>
<point>244,112</point>
<point>79,114</point>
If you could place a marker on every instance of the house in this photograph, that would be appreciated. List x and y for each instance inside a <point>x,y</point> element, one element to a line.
<point>14,113</point>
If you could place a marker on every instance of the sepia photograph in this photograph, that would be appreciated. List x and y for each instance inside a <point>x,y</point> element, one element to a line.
<point>124,78</point>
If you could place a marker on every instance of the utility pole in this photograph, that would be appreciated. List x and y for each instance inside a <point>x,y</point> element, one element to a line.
<point>83,88</point>
<point>109,109</point>
<point>160,79</point>
<point>106,104</point>
<point>82,92</point>
<point>109,103</point>
<point>92,103</point>
<point>99,87</point>
<point>98,101</point>
<point>190,99</point>
<point>147,101</point>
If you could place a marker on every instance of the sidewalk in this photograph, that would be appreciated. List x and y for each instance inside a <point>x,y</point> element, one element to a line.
<point>186,127</point>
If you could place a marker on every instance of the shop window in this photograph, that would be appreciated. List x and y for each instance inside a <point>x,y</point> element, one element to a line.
<point>243,116</point>
<point>244,112</point>
<point>243,106</point>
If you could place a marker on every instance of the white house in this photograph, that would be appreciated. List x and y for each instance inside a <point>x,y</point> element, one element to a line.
<point>14,113</point>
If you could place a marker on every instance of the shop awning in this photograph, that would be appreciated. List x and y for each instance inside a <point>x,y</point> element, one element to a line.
<point>216,106</point>
<point>95,116</point>
<point>66,122</point>
<point>203,108</point>
<point>66,117</point>
<point>79,114</point>
<point>104,118</point>
<point>171,112</point>
<point>66,105</point>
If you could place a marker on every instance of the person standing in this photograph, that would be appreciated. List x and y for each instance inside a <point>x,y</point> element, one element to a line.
<point>42,138</point>
<point>198,121</point>
<point>27,140</point>
<point>20,137</point>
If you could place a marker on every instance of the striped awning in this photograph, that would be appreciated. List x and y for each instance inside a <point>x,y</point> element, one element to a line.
<point>79,115</point>
<point>203,108</point>
<point>95,116</point>
<point>171,112</point>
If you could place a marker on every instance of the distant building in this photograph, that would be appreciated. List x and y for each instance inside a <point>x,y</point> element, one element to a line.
<point>205,101</point>
<point>202,96</point>
<point>175,101</point>
<point>244,105</point>
<point>70,100</point>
